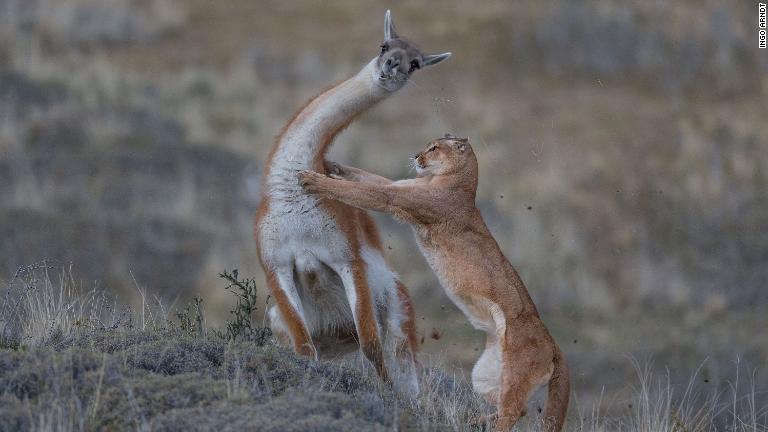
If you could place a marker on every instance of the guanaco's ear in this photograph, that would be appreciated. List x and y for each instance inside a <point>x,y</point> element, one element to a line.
<point>431,59</point>
<point>389,26</point>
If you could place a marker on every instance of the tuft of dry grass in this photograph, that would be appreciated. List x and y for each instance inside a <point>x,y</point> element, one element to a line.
<point>39,308</point>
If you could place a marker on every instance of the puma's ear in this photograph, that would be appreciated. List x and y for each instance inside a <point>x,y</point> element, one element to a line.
<point>432,59</point>
<point>389,26</point>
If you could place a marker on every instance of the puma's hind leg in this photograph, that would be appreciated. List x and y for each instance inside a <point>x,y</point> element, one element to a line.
<point>515,386</point>
<point>526,363</point>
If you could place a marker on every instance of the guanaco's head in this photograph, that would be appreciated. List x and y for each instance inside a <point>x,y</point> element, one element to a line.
<point>446,155</point>
<point>399,58</point>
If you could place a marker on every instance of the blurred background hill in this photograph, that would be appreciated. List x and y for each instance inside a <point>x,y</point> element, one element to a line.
<point>623,154</point>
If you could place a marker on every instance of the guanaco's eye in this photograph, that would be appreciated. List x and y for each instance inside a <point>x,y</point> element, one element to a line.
<point>414,65</point>
<point>384,48</point>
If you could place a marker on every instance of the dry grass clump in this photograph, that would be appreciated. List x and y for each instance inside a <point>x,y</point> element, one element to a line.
<point>39,308</point>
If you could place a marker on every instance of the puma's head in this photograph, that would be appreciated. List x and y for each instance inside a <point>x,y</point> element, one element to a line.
<point>446,155</point>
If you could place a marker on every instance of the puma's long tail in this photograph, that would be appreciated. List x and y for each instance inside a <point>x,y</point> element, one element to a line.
<point>558,395</point>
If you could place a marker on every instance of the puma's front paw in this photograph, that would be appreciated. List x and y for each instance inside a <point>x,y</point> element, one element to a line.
<point>310,181</point>
<point>334,170</point>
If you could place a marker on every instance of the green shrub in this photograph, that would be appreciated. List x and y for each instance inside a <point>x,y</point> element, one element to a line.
<point>241,325</point>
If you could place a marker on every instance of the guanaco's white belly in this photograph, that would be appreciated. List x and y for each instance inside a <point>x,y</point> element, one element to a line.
<point>301,232</point>
<point>296,233</point>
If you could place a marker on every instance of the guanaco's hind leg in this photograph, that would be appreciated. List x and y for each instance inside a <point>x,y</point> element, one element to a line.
<point>363,310</point>
<point>283,288</point>
<point>404,343</point>
<point>408,325</point>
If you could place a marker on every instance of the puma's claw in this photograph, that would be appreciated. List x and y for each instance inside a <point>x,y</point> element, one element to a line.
<point>334,170</point>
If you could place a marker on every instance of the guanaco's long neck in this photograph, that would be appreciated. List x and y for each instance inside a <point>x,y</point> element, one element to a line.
<point>309,135</point>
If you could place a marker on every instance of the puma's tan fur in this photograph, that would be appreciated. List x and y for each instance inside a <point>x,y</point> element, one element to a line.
<point>520,354</point>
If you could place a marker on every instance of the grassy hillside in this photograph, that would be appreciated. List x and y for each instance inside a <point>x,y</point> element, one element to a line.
<point>69,361</point>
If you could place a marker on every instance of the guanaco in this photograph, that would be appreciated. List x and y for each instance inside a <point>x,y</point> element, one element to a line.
<point>520,355</point>
<point>323,261</point>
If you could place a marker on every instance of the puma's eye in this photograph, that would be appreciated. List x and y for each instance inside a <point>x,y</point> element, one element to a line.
<point>384,48</point>
<point>433,148</point>
<point>414,65</point>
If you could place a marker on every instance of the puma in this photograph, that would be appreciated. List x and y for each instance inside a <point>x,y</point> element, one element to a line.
<point>520,355</point>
